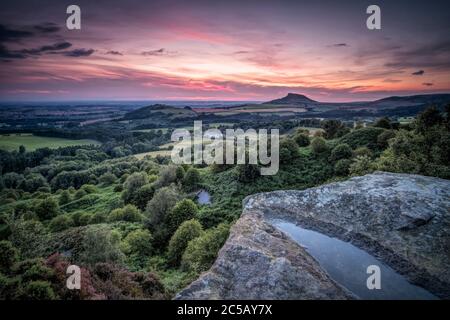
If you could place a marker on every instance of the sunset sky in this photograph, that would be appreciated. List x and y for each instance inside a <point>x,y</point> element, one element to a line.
<point>222,50</point>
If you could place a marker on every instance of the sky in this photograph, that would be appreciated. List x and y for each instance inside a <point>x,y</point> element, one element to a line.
<point>254,50</point>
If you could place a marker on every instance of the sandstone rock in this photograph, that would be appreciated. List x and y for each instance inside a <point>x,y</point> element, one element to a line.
<point>404,220</point>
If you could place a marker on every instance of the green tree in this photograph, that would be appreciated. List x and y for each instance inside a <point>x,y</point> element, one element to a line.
<point>39,290</point>
<point>428,118</point>
<point>138,242</point>
<point>47,209</point>
<point>247,172</point>
<point>302,139</point>
<point>132,184</point>
<point>361,165</point>
<point>8,256</point>
<point>341,151</point>
<point>186,232</point>
<point>191,179</point>
<point>319,145</point>
<point>64,197</point>
<point>201,251</point>
<point>184,210</point>
<point>60,223</point>
<point>288,150</point>
<point>331,127</point>
<point>99,245</point>
<point>383,123</point>
<point>342,167</point>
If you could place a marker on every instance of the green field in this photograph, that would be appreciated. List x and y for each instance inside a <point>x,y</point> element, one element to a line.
<point>12,142</point>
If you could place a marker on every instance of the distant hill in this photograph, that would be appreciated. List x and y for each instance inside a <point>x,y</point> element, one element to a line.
<point>160,111</point>
<point>292,99</point>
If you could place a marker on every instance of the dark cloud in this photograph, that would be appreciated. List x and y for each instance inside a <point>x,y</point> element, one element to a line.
<point>427,84</point>
<point>392,80</point>
<point>338,45</point>
<point>7,54</point>
<point>47,27</point>
<point>13,35</point>
<point>435,55</point>
<point>114,53</point>
<point>158,52</point>
<point>418,73</point>
<point>53,47</point>
<point>78,53</point>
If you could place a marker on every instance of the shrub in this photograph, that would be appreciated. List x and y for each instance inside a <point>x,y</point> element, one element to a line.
<point>107,178</point>
<point>331,128</point>
<point>384,137</point>
<point>302,139</point>
<point>288,150</point>
<point>383,123</point>
<point>363,151</point>
<point>201,251</point>
<point>186,232</point>
<point>8,256</point>
<point>128,213</point>
<point>319,145</point>
<point>64,197</point>
<point>138,242</point>
<point>191,179</point>
<point>361,165</point>
<point>247,172</point>
<point>80,193</point>
<point>365,137</point>
<point>39,290</point>
<point>342,167</point>
<point>99,245</point>
<point>29,237</point>
<point>132,184</point>
<point>60,223</point>
<point>47,209</point>
<point>341,151</point>
<point>184,210</point>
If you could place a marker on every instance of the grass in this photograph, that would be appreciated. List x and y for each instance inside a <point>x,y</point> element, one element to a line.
<point>12,142</point>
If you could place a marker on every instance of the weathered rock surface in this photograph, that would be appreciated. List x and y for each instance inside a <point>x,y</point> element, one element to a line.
<point>404,220</point>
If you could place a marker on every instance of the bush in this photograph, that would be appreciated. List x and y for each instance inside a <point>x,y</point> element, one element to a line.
<point>384,137</point>
<point>186,232</point>
<point>331,128</point>
<point>99,245</point>
<point>143,195</point>
<point>29,237</point>
<point>89,188</point>
<point>318,145</point>
<point>132,184</point>
<point>191,179</point>
<point>247,172</point>
<point>8,256</point>
<point>288,150</point>
<point>365,137</point>
<point>64,197</point>
<point>39,290</point>
<point>201,251</point>
<point>138,242</point>
<point>80,193</point>
<point>363,151</point>
<point>342,167</point>
<point>184,210</point>
<point>107,178</point>
<point>60,223</point>
<point>47,209</point>
<point>361,165</point>
<point>302,140</point>
<point>384,123</point>
<point>128,213</point>
<point>341,151</point>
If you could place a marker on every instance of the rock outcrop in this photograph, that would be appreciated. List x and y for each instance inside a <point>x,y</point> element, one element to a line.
<point>404,220</point>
